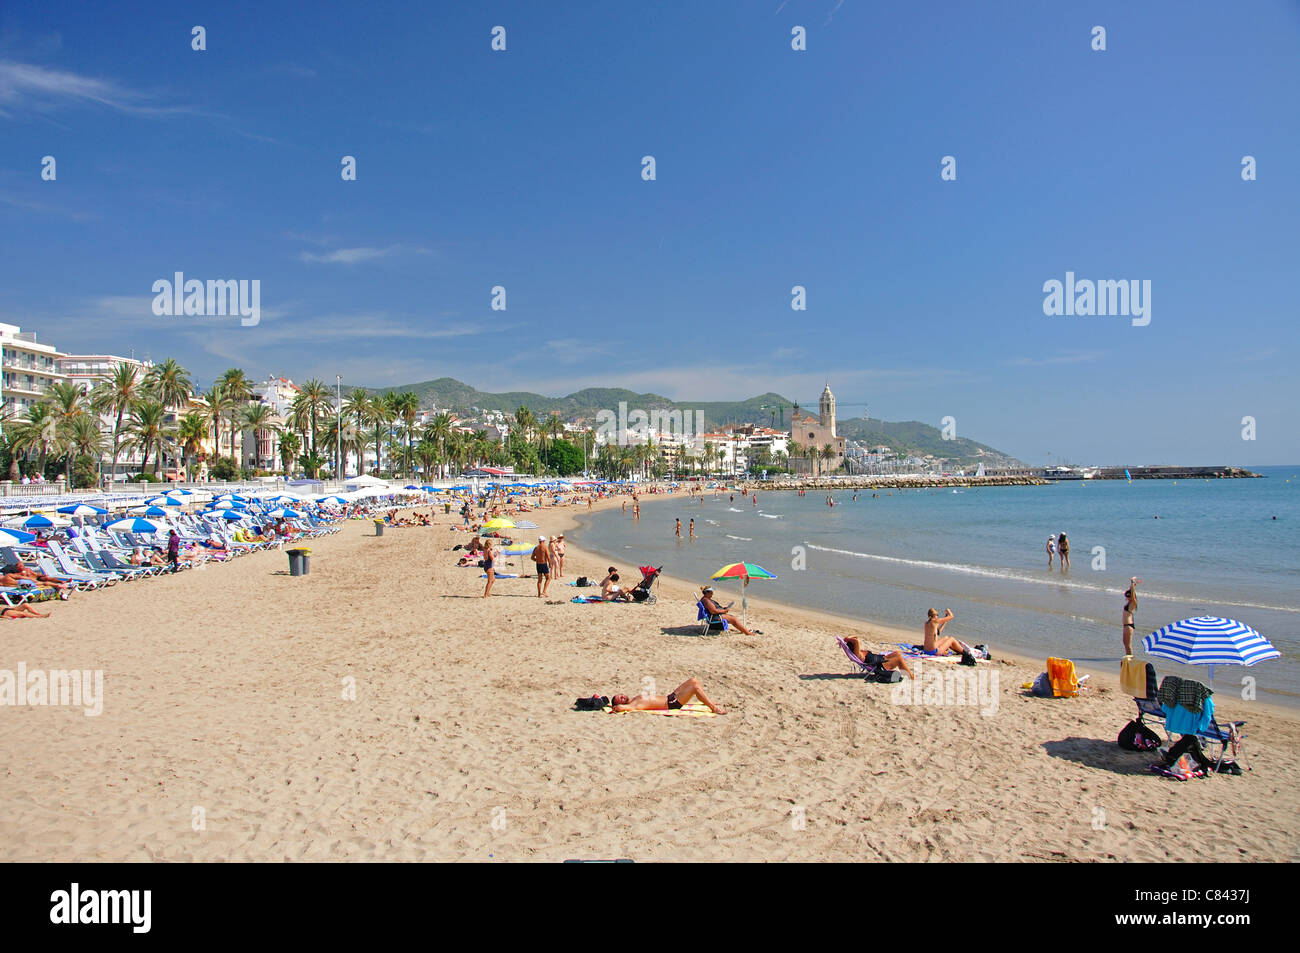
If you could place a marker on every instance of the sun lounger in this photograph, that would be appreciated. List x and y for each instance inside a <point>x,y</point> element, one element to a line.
<point>711,623</point>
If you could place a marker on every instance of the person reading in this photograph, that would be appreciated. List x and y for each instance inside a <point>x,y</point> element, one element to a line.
<point>894,660</point>
<point>722,612</point>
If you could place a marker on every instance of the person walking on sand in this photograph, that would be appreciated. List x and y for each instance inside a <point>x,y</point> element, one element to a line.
<point>1063,550</point>
<point>1130,605</point>
<point>488,561</point>
<point>1051,551</point>
<point>541,555</point>
<point>685,693</point>
<point>679,528</point>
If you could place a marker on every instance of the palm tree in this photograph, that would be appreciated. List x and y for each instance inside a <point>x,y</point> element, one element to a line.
<point>381,415</point>
<point>239,391</point>
<point>38,431</point>
<point>114,394</point>
<point>220,404</point>
<point>169,384</point>
<point>426,452</point>
<point>358,407</point>
<point>290,445</point>
<point>260,419</point>
<point>439,431</point>
<point>147,429</point>
<point>315,397</point>
<point>407,407</point>
<point>525,422</point>
<point>86,439</point>
<point>68,404</point>
<point>828,454</point>
<point>191,431</point>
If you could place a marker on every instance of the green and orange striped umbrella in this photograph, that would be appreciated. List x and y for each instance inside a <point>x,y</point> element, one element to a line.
<point>744,572</point>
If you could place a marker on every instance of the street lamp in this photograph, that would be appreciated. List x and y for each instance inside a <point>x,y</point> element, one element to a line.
<point>338,423</point>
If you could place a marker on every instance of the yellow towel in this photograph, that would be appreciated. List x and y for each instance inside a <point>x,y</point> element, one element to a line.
<point>690,710</point>
<point>1133,676</point>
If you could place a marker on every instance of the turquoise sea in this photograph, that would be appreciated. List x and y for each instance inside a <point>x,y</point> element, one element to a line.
<point>1215,549</point>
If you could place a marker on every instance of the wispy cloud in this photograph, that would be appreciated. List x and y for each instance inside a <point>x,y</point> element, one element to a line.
<point>353,256</point>
<point>1065,357</point>
<point>26,86</point>
<point>43,208</point>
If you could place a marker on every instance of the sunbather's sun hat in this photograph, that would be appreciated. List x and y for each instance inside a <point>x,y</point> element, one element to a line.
<point>541,539</point>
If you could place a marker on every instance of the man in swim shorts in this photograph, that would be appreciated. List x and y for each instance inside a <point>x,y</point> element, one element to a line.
<point>684,694</point>
<point>542,557</point>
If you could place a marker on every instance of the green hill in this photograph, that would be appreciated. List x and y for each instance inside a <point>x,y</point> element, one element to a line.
<point>909,437</point>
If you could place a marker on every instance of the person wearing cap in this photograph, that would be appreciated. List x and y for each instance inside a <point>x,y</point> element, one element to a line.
<point>713,609</point>
<point>542,557</point>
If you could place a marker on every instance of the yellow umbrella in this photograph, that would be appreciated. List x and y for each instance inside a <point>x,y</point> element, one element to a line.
<point>499,522</point>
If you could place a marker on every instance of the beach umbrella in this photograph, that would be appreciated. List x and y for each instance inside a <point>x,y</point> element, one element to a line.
<point>499,522</point>
<point>179,492</point>
<point>231,515</point>
<point>15,537</point>
<point>281,512</point>
<point>333,500</point>
<point>524,524</point>
<point>38,521</point>
<point>134,524</point>
<point>82,509</point>
<point>745,572</point>
<point>150,511</point>
<point>1208,640</point>
<point>518,549</point>
<point>163,501</point>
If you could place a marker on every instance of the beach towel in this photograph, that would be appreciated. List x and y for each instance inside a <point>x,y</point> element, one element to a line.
<point>916,651</point>
<point>1065,684</point>
<point>1133,676</point>
<point>500,575</point>
<point>586,599</point>
<point>690,710</point>
<point>1187,692</point>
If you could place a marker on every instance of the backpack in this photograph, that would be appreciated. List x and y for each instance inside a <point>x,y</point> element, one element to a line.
<point>1043,686</point>
<point>1137,736</point>
<point>885,676</point>
<point>594,703</point>
<point>582,582</point>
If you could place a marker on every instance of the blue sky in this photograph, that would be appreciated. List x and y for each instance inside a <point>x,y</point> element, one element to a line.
<point>775,168</point>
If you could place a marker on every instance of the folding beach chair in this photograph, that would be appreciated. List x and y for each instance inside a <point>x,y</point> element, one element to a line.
<point>867,670</point>
<point>1218,740</point>
<point>712,623</point>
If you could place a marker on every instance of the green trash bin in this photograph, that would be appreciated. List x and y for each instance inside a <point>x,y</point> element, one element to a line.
<point>299,562</point>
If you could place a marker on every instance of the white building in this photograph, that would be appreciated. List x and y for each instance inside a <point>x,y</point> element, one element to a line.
<point>29,369</point>
<point>86,371</point>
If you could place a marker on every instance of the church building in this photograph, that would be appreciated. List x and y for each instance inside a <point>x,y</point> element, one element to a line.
<point>816,432</point>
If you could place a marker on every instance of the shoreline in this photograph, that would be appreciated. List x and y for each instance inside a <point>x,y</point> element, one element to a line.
<point>882,634</point>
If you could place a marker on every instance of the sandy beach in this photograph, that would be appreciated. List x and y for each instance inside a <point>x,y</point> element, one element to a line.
<point>228,733</point>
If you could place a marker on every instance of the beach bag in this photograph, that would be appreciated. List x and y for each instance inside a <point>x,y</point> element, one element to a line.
<point>1136,736</point>
<point>1042,686</point>
<point>885,676</point>
<point>594,703</point>
<point>582,581</point>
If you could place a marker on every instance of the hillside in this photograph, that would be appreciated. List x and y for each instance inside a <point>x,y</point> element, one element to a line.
<point>911,437</point>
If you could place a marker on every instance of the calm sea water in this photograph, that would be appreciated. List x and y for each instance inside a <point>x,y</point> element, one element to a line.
<point>1214,550</point>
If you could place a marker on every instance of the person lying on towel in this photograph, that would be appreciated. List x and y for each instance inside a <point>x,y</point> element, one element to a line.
<point>684,694</point>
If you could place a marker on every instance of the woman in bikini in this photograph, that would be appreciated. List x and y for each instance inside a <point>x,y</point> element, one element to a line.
<point>487,567</point>
<point>22,612</point>
<point>1130,604</point>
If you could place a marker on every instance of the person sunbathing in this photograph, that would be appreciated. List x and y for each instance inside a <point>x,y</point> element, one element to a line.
<point>894,660</point>
<point>684,694</point>
<point>611,591</point>
<point>22,612</point>
<point>20,572</point>
<point>936,643</point>
<point>722,612</point>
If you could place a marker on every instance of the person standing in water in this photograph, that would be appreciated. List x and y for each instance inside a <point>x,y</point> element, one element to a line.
<point>692,527</point>
<point>1051,551</point>
<point>679,529</point>
<point>1130,605</point>
<point>1063,550</point>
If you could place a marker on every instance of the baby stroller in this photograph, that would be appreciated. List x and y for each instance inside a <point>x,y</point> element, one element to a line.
<point>641,591</point>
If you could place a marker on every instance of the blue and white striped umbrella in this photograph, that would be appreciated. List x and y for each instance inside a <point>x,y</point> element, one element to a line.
<point>282,512</point>
<point>163,501</point>
<point>180,492</point>
<point>82,509</point>
<point>150,511</point>
<point>37,521</point>
<point>231,515</point>
<point>15,537</point>
<point>136,525</point>
<point>333,500</point>
<point>1207,640</point>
